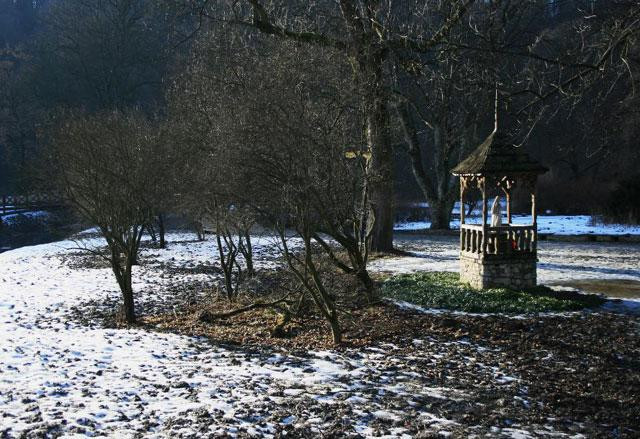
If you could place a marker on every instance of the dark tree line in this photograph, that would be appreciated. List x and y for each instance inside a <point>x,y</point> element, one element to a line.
<point>435,62</point>
<point>442,61</point>
<point>89,55</point>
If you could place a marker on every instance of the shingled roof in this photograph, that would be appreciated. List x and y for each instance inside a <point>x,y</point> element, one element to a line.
<point>497,155</point>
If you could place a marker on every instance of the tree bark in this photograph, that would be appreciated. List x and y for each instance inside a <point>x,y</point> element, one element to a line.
<point>440,212</point>
<point>336,331</point>
<point>246,248</point>
<point>161,231</point>
<point>128,305</point>
<point>367,282</point>
<point>128,308</point>
<point>381,164</point>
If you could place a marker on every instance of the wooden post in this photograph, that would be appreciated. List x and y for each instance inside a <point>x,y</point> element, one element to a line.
<point>483,248</point>
<point>462,234</point>
<point>534,218</point>
<point>463,184</point>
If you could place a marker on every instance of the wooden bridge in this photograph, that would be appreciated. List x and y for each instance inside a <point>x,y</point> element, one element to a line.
<point>12,204</point>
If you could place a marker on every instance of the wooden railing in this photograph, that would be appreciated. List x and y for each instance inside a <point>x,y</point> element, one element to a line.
<point>22,203</point>
<point>503,240</point>
<point>471,238</point>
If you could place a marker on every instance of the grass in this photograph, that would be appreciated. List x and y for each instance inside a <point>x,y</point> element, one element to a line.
<point>444,290</point>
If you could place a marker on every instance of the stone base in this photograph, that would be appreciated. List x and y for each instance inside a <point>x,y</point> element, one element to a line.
<point>489,272</point>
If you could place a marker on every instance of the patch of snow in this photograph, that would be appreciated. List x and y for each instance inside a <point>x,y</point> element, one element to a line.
<point>384,414</point>
<point>623,306</point>
<point>122,382</point>
<point>552,224</point>
<point>289,420</point>
<point>515,433</point>
<point>557,261</point>
<point>436,311</point>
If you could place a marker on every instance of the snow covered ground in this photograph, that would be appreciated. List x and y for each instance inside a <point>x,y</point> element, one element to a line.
<point>58,377</point>
<point>553,224</point>
<point>557,261</point>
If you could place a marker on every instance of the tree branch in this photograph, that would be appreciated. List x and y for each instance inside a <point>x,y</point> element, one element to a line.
<point>263,23</point>
<point>437,37</point>
<point>206,316</point>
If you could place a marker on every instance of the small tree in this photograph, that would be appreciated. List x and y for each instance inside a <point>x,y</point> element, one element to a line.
<point>102,167</point>
<point>165,167</point>
<point>278,130</point>
<point>309,170</point>
<point>319,200</point>
<point>232,227</point>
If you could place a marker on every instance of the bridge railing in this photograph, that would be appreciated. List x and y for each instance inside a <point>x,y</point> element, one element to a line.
<point>27,202</point>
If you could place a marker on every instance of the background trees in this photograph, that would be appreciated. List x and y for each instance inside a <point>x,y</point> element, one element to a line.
<point>61,53</point>
<point>92,55</point>
<point>99,54</point>
<point>533,51</point>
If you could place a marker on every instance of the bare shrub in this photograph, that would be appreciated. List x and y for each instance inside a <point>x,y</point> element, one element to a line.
<point>101,163</point>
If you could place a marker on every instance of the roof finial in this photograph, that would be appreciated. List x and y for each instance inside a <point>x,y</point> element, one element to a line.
<point>495,127</point>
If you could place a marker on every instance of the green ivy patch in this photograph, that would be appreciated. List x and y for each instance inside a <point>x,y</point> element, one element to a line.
<point>444,290</point>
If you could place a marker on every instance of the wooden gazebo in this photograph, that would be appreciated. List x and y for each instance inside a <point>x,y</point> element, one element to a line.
<point>503,255</point>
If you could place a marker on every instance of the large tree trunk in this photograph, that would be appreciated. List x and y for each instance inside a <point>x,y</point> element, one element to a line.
<point>128,306</point>
<point>123,276</point>
<point>437,184</point>
<point>381,164</point>
<point>369,63</point>
<point>336,331</point>
<point>440,212</point>
<point>367,282</point>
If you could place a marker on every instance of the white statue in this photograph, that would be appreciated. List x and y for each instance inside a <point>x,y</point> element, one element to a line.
<point>496,214</point>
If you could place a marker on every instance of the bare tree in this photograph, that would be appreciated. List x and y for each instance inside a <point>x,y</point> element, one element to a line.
<point>284,141</point>
<point>519,45</point>
<point>102,167</point>
<point>367,32</point>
